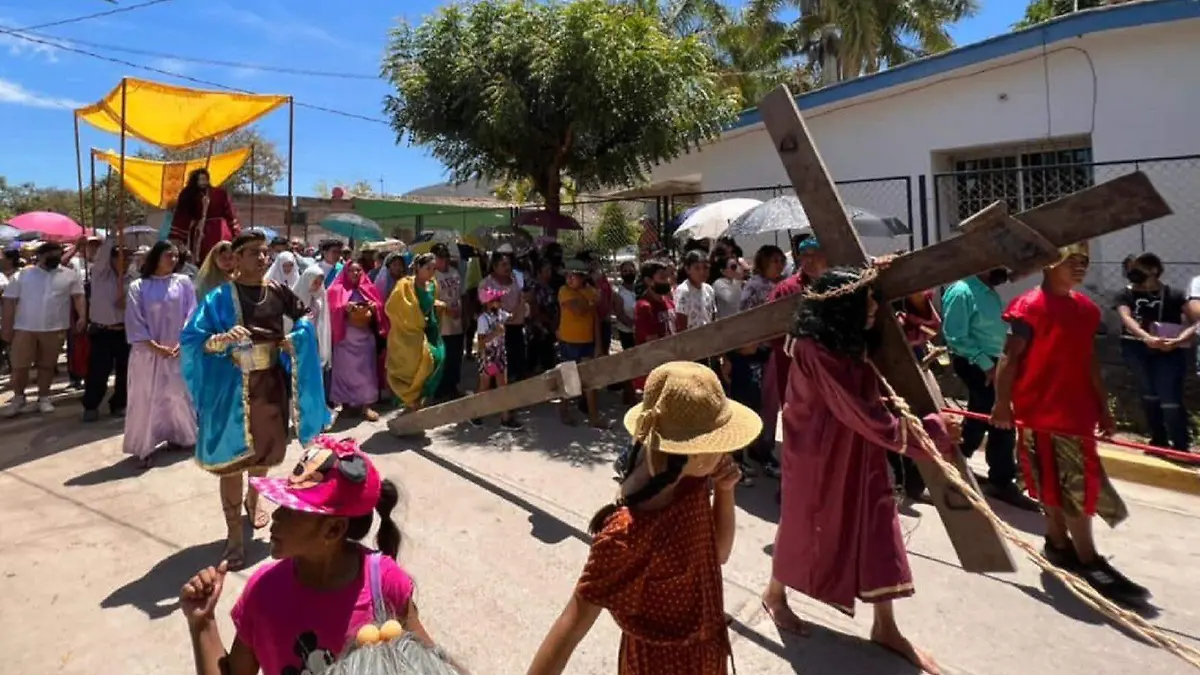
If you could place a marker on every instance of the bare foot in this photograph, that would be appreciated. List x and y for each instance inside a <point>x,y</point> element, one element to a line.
<point>234,555</point>
<point>785,619</point>
<point>370,415</point>
<point>894,641</point>
<point>258,518</point>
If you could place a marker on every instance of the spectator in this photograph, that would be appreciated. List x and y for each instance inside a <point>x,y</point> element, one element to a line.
<point>36,317</point>
<point>450,291</point>
<point>502,277</point>
<point>543,319</point>
<point>695,300</point>
<point>578,330</point>
<point>654,313</point>
<point>109,351</point>
<point>1155,336</point>
<point>975,333</point>
<point>728,286</point>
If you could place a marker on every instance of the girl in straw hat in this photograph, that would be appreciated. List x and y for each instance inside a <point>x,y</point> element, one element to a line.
<point>839,537</point>
<point>655,562</point>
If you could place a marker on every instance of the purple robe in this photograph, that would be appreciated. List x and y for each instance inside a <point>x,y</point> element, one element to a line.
<point>354,380</point>
<point>839,535</point>
<point>160,408</point>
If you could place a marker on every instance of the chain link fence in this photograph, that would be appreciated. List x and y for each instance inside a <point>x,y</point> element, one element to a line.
<point>1176,238</point>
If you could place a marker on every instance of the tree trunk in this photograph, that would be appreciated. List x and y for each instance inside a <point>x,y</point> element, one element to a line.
<point>553,198</point>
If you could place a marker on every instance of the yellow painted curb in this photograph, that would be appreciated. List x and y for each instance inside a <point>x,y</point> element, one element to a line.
<point>1152,471</point>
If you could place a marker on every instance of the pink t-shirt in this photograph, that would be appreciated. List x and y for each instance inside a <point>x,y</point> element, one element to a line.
<point>293,629</point>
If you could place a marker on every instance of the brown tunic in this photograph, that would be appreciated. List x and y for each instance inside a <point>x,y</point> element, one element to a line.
<point>262,309</point>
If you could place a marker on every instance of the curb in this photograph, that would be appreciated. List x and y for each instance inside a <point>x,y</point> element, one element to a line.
<point>1152,471</point>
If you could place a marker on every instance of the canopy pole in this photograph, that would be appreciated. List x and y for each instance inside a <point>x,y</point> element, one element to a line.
<point>208,159</point>
<point>92,156</point>
<point>121,186</point>
<point>291,147</point>
<point>252,178</point>
<point>108,205</point>
<point>79,168</point>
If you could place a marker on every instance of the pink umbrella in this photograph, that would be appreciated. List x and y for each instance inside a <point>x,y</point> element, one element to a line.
<point>54,226</point>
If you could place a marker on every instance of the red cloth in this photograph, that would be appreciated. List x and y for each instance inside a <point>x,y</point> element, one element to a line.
<point>1053,389</point>
<point>338,296</point>
<point>221,223</point>
<point>80,352</point>
<point>839,535</point>
<point>652,319</point>
<point>775,381</point>
<point>604,304</point>
<point>912,322</point>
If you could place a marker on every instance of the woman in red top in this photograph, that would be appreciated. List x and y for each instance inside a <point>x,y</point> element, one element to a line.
<point>1048,384</point>
<point>654,312</point>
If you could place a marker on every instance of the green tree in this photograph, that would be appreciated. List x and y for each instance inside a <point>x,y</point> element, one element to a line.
<point>16,199</point>
<point>267,169</point>
<point>1041,11</point>
<point>615,230</point>
<point>359,188</point>
<point>590,90</point>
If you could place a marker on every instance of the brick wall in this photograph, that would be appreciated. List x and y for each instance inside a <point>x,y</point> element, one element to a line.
<point>271,210</point>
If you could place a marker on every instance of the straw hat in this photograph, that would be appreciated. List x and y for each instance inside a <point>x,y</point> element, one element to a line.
<point>684,411</point>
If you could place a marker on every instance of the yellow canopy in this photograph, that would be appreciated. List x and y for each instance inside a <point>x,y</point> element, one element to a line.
<point>176,117</point>
<point>159,183</point>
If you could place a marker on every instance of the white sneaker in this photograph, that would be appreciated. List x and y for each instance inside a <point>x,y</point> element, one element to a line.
<point>44,406</point>
<point>13,408</point>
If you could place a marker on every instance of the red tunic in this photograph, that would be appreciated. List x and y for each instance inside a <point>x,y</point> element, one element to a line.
<point>775,377</point>
<point>652,320</point>
<point>220,223</point>
<point>1053,392</point>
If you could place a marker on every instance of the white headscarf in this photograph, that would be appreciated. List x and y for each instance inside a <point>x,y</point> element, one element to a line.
<point>319,306</point>
<point>278,275</point>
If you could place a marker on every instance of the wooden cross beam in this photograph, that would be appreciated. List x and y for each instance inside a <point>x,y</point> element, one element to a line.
<point>990,239</point>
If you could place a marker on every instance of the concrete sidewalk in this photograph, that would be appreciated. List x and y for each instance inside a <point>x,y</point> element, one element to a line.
<point>92,555</point>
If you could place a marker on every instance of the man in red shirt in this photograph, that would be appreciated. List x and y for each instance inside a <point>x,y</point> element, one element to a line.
<point>654,313</point>
<point>1048,385</point>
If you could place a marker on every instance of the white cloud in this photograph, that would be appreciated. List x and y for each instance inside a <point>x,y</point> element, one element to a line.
<point>15,94</point>
<point>15,44</point>
<point>281,26</point>
<point>172,66</point>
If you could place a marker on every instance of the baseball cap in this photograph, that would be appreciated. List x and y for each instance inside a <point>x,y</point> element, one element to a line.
<point>333,478</point>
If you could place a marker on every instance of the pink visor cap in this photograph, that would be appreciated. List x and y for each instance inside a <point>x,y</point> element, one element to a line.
<point>334,478</point>
<point>488,294</point>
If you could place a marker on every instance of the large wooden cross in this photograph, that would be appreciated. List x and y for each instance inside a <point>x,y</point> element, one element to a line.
<point>989,239</point>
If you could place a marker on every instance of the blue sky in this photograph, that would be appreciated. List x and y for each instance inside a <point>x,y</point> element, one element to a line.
<point>40,84</point>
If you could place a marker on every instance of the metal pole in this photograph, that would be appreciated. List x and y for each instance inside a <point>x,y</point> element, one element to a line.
<point>251,185</point>
<point>93,184</point>
<point>291,147</point>
<point>108,206</point>
<point>121,187</point>
<point>79,167</point>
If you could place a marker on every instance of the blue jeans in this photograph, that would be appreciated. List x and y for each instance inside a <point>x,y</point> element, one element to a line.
<point>1160,383</point>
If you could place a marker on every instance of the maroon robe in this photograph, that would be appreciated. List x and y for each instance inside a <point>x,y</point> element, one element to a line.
<point>839,535</point>
<point>220,223</point>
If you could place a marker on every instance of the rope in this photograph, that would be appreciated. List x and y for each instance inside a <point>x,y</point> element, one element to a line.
<point>1127,619</point>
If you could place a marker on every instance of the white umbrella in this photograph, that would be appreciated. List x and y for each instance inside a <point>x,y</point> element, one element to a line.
<point>786,213</point>
<point>711,220</point>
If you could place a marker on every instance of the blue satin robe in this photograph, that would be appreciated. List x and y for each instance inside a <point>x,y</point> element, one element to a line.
<point>216,383</point>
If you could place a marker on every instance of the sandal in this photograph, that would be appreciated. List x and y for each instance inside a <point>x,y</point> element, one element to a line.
<point>787,621</point>
<point>234,555</point>
<point>258,518</point>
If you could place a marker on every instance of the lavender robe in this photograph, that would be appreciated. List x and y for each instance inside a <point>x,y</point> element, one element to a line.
<point>354,380</point>
<point>159,409</point>
<point>839,535</point>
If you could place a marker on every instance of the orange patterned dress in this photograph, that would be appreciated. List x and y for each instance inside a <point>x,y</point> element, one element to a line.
<point>658,574</point>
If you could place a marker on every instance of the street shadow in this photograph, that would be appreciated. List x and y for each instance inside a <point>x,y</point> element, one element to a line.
<point>828,651</point>
<point>1029,522</point>
<point>156,592</point>
<point>129,467</point>
<point>384,442</point>
<point>50,436</point>
<point>759,499</point>
<point>544,526</point>
<point>545,433</point>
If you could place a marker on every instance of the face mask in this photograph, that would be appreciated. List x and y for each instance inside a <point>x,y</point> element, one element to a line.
<point>997,277</point>
<point>661,289</point>
<point>628,278</point>
<point>1136,276</point>
<point>53,261</point>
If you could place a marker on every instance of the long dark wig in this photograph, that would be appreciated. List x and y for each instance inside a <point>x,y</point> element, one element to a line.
<point>837,323</point>
<point>191,194</point>
<point>150,264</point>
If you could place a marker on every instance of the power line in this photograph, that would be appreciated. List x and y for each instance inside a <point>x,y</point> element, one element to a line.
<point>17,34</point>
<point>266,68</point>
<point>97,15</point>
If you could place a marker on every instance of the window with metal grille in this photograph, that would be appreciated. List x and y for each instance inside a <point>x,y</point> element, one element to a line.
<point>1023,180</point>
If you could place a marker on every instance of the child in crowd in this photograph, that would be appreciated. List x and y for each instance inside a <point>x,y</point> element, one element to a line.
<point>493,355</point>
<point>654,313</point>
<point>655,562</point>
<point>578,330</point>
<point>299,612</point>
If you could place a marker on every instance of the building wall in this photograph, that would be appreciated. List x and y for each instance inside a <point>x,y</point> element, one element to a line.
<point>1132,92</point>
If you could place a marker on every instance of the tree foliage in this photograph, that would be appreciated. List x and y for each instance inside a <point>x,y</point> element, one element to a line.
<point>1040,11</point>
<point>615,230</point>
<point>267,169</point>
<point>16,199</point>
<point>359,188</point>
<point>593,90</point>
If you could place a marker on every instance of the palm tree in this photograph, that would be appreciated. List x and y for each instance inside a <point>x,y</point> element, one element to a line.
<point>842,39</point>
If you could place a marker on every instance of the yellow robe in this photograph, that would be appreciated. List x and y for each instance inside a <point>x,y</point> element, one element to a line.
<point>409,360</point>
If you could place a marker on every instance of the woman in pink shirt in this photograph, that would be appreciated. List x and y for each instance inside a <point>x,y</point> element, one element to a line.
<point>298,613</point>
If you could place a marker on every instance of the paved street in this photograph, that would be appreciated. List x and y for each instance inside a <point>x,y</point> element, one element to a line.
<point>92,555</point>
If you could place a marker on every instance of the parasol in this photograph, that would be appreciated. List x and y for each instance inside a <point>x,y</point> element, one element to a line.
<point>53,226</point>
<point>786,213</point>
<point>546,220</point>
<point>712,220</point>
<point>352,226</point>
<point>491,238</point>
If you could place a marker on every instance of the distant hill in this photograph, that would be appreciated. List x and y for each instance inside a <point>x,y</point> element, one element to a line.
<point>480,190</point>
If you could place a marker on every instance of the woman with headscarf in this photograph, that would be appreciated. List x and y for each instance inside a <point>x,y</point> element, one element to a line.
<point>415,351</point>
<point>357,322</point>
<point>310,288</point>
<point>393,269</point>
<point>218,268</point>
<point>284,270</point>
<point>159,408</point>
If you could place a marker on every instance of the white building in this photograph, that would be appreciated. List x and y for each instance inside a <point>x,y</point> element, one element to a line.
<point>1026,117</point>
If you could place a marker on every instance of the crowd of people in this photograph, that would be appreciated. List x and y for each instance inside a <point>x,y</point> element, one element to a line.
<point>263,340</point>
